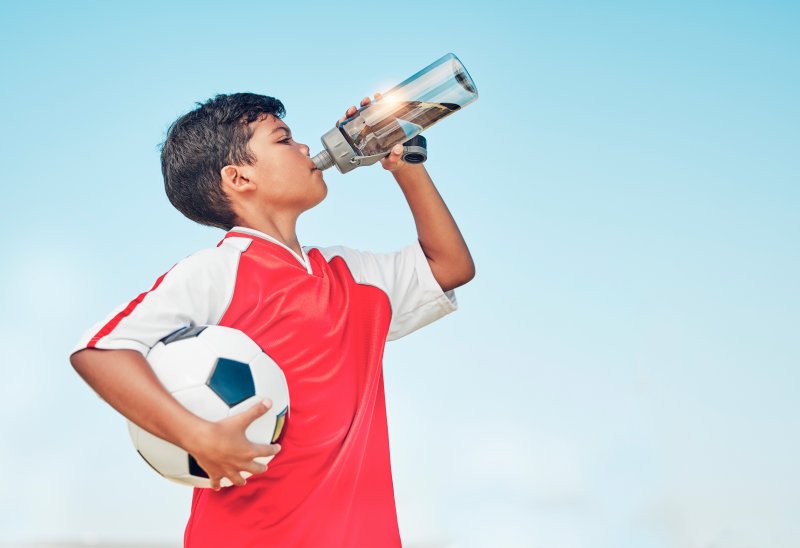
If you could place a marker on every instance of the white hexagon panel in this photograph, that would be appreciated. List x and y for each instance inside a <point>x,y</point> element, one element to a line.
<point>171,356</point>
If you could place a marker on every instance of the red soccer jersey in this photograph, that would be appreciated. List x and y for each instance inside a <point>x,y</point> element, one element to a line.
<point>324,318</point>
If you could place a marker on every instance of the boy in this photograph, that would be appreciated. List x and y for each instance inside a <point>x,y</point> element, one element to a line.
<point>323,314</point>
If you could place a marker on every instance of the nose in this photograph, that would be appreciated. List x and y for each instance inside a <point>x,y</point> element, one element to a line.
<point>305,149</point>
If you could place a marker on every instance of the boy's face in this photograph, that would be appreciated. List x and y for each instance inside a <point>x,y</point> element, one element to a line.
<point>284,177</point>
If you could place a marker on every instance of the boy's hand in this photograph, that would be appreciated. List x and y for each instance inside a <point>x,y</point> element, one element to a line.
<point>392,162</point>
<point>223,450</point>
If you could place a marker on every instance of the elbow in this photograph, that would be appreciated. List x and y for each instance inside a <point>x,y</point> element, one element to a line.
<point>468,273</point>
<point>76,359</point>
<point>452,275</point>
<point>464,278</point>
<point>81,359</point>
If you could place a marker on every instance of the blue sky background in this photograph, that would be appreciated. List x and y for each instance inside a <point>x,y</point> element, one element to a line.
<point>623,370</point>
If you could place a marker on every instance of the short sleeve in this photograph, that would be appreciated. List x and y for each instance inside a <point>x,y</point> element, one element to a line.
<point>415,296</point>
<point>195,291</point>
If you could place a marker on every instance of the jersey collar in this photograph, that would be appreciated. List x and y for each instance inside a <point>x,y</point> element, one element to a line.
<point>257,233</point>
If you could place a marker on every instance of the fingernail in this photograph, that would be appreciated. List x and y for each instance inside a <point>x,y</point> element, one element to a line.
<point>278,446</point>
<point>267,402</point>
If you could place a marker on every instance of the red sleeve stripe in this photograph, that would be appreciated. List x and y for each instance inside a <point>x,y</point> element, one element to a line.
<point>109,327</point>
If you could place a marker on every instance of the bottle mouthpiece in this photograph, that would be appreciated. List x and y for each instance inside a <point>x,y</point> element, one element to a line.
<point>323,160</point>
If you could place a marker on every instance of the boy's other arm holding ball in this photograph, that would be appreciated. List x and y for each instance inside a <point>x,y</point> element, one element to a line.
<point>126,381</point>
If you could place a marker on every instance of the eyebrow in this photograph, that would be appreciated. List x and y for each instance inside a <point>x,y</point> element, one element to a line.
<point>282,128</point>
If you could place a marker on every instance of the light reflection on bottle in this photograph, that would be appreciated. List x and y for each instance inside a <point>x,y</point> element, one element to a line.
<point>403,121</point>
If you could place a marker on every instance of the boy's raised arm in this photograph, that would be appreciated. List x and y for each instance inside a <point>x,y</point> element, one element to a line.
<point>439,236</point>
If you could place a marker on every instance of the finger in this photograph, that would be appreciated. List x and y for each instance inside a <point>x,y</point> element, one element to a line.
<point>260,408</point>
<point>237,479</point>
<point>348,114</point>
<point>256,468</point>
<point>271,450</point>
<point>350,111</point>
<point>251,414</point>
<point>378,95</point>
<point>264,450</point>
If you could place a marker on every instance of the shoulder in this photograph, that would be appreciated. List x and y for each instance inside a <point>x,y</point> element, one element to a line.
<point>210,264</point>
<point>331,251</point>
<point>354,254</point>
<point>411,250</point>
<point>375,268</point>
<point>356,259</point>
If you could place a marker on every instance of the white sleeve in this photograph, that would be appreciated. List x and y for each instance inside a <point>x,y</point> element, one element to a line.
<point>405,276</point>
<point>195,291</point>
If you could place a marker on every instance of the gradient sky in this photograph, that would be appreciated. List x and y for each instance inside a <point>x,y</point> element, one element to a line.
<point>623,370</point>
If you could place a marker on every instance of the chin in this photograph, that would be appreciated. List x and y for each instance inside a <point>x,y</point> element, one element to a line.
<point>319,196</point>
<point>324,193</point>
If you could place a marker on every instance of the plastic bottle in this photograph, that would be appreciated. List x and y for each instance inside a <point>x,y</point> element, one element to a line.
<point>402,113</point>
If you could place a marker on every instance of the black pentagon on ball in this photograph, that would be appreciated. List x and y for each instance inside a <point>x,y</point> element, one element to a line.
<point>195,469</point>
<point>232,381</point>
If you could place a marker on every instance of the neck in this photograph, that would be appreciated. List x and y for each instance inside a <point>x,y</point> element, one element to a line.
<point>283,232</point>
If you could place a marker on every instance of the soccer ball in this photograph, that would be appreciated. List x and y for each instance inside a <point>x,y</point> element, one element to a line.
<point>214,372</point>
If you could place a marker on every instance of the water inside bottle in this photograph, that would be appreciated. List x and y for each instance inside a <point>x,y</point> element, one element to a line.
<point>376,131</point>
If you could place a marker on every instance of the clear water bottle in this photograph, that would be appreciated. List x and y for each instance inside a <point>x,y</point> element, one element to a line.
<point>399,116</point>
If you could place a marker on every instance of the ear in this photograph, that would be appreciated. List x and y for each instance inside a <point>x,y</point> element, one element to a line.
<point>234,180</point>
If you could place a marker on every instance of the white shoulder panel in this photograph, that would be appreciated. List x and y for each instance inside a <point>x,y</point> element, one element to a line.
<point>239,243</point>
<point>195,291</point>
<point>405,276</point>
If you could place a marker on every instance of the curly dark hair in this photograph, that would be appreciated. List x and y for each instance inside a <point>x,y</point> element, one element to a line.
<point>200,143</point>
